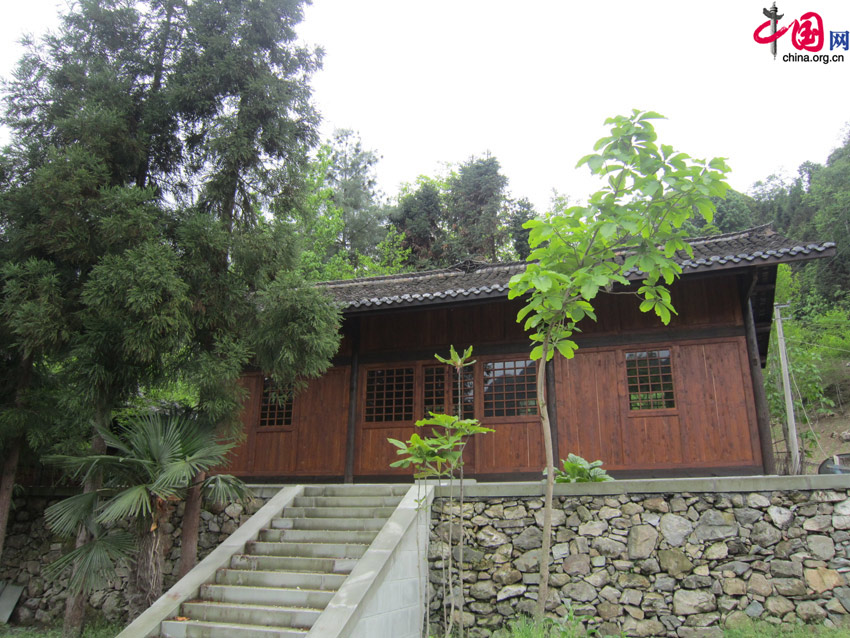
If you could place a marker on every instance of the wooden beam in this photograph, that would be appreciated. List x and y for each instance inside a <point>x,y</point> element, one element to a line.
<point>351,434</point>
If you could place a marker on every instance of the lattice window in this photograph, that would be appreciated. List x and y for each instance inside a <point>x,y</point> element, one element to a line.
<point>434,392</point>
<point>467,393</point>
<point>649,375</point>
<point>510,388</point>
<point>275,406</point>
<point>389,395</point>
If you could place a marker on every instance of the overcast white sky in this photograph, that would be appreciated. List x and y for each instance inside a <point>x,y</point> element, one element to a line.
<point>428,82</point>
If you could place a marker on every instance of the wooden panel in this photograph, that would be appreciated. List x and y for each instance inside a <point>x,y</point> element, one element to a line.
<point>719,419</point>
<point>712,425</point>
<point>314,445</point>
<point>698,302</point>
<point>320,420</point>
<point>588,407</point>
<point>651,441</point>
<point>240,456</point>
<point>375,453</point>
<point>274,453</point>
<point>513,447</point>
<point>414,330</point>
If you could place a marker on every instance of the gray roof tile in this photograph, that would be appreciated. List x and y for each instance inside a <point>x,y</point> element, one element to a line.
<point>476,280</point>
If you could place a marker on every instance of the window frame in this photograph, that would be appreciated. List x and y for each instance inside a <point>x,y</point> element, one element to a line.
<point>480,394</point>
<point>261,405</point>
<point>676,390</point>
<point>419,367</point>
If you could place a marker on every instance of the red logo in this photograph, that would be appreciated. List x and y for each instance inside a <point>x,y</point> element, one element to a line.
<point>807,32</point>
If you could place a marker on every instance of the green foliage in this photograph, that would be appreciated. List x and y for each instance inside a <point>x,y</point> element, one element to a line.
<point>521,212</point>
<point>527,627</point>
<point>97,629</point>
<point>419,218</point>
<point>634,224</point>
<point>339,219</point>
<point>152,462</point>
<point>441,454</point>
<point>760,629</point>
<point>466,214</point>
<point>577,470</point>
<point>475,209</point>
<point>813,205</point>
<point>817,336</point>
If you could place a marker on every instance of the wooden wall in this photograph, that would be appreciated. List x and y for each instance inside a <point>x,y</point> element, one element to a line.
<point>713,424</point>
<point>313,445</point>
<point>712,427</point>
<point>411,331</point>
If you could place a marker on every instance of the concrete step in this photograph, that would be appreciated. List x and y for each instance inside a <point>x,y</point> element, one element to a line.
<point>309,598</point>
<point>265,490</point>
<point>251,578</point>
<point>357,490</point>
<point>307,550</point>
<point>347,501</point>
<point>338,512</point>
<point>317,536</point>
<point>263,615</point>
<point>293,564</point>
<point>202,629</point>
<point>367,524</point>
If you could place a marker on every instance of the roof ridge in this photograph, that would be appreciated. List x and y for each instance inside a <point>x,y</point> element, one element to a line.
<point>703,239</point>
<point>451,270</point>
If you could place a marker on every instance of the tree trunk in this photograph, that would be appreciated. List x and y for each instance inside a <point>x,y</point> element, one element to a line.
<point>75,606</point>
<point>159,69</point>
<point>543,590</point>
<point>190,524</point>
<point>13,453</point>
<point>147,574</point>
<point>7,484</point>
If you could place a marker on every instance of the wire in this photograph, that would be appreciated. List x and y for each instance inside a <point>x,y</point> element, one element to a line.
<point>816,345</point>
<point>803,408</point>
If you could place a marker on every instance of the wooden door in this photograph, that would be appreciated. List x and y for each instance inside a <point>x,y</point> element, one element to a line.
<point>320,420</point>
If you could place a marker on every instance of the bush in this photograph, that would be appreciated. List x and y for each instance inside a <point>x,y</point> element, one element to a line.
<point>577,470</point>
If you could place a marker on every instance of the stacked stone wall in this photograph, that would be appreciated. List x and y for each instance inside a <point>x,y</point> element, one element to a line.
<point>30,547</point>
<point>671,564</point>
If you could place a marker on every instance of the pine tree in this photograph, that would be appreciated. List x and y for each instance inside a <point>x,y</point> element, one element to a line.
<point>152,142</point>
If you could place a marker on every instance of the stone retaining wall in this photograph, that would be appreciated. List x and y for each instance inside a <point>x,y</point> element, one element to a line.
<point>655,558</point>
<point>30,547</point>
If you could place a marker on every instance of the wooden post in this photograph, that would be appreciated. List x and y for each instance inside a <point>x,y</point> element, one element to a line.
<point>351,438</point>
<point>793,446</point>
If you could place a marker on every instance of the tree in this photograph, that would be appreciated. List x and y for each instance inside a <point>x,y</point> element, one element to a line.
<point>419,217</point>
<point>521,211</point>
<point>829,197</point>
<point>475,201</point>
<point>148,469</point>
<point>340,244</point>
<point>151,139</point>
<point>248,124</point>
<point>634,224</point>
<point>351,177</point>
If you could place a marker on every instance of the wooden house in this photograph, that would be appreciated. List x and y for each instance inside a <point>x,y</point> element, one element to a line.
<point>647,399</point>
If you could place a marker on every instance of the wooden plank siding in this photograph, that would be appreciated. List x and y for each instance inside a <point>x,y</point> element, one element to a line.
<point>313,445</point>
<point>712,426</point>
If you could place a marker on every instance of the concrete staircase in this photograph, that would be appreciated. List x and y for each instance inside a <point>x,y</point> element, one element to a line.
<point>288,575</point>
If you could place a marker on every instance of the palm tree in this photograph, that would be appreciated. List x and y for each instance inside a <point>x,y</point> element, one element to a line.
<point>149,466</point>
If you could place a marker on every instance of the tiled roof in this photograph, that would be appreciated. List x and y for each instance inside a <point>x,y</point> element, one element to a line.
<point>475,280</point>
